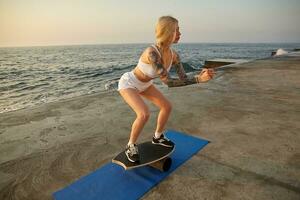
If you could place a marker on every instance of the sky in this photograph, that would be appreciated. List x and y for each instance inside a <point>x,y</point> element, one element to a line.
<point>72,22</point>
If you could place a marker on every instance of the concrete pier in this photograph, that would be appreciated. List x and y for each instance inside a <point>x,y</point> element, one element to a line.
<point>250,113</point>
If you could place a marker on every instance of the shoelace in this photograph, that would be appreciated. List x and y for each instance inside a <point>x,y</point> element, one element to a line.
<point>133,150</point>
<point>163,138</point>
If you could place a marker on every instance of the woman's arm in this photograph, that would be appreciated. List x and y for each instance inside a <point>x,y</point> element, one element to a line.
<point>177,82</point>
<point>183,78</point>
<point>155,61</point>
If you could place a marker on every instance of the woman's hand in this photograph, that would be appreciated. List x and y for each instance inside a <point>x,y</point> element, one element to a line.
<point>205,75</point>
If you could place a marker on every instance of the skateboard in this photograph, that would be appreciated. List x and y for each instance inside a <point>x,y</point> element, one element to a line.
<point>153,155</point>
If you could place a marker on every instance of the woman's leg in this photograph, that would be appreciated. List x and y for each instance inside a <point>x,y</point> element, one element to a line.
<point>157,98</point>
<point>134,100</point>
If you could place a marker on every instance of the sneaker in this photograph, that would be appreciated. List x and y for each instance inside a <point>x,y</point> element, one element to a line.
<point>162,140</point>
<point>132,153</point>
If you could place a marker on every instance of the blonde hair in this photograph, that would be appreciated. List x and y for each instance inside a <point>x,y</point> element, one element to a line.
<point>164,30</point>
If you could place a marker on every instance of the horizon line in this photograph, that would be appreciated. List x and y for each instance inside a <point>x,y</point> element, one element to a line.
<point>94,44</point>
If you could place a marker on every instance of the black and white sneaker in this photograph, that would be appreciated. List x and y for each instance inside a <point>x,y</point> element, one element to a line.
<point>132,153</point>
<point>162,140</point>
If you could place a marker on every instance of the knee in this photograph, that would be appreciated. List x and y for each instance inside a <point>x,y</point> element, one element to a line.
<point>144,115</point>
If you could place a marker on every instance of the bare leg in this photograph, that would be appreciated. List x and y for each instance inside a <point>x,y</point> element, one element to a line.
<point>157,98</point>
<point>135,101</point>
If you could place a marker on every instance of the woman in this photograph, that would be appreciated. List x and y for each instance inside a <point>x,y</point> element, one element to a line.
<point>155,61</point>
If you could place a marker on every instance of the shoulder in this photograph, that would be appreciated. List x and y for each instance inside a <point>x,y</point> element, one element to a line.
<point>150,50</point>
<point>149,54</point>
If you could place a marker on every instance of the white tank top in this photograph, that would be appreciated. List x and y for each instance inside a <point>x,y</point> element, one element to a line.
<point>148,70</point>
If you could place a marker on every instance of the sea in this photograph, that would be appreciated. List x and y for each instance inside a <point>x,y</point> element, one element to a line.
<point>31,76</point>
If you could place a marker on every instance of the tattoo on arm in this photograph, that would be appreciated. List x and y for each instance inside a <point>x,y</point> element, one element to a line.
<point>175,82</point>
<point>179,69</point>
<point>183,78</point>
<point>156,63</point>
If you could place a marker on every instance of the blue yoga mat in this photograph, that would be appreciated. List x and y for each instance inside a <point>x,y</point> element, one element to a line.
<point>113,182</point>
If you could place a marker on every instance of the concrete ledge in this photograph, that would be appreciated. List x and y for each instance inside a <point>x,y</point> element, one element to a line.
<point>222,62</point>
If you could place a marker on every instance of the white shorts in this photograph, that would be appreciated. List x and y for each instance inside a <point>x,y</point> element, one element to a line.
<point>129,80</point>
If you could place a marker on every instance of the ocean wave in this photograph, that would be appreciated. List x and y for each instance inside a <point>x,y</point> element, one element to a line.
<point>31,87</point>
<point>13,86</point>
<point>111,85</point>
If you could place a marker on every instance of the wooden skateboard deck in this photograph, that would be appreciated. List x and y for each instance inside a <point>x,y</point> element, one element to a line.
<point>154,155</point>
